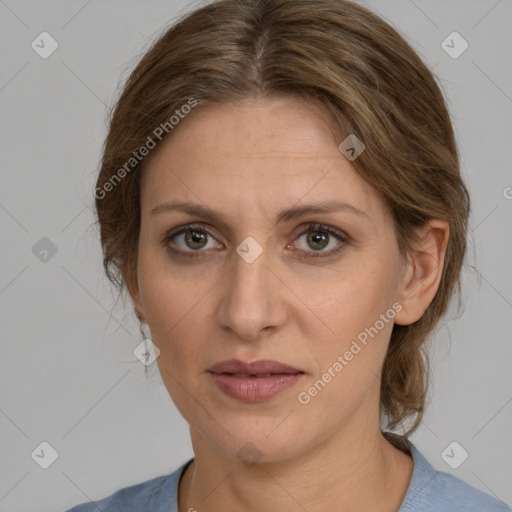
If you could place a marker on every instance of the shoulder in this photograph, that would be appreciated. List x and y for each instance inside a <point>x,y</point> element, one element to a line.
<point>437,491</point>
<point>156,495</point>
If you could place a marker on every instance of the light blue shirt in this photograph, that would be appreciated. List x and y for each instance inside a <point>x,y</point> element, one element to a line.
<point>429,491</point>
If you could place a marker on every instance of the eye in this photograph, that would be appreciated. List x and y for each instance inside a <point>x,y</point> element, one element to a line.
<point>321,241</point>
<point>190,239</point>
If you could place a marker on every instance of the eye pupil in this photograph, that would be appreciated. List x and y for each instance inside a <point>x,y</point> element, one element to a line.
<point>315,239</point>
<point>195,237</point>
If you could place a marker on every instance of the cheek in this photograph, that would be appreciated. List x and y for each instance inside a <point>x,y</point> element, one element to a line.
<point>348,301</point>
<point>357,309</point>
<point>349,364</point>
<point>169,292</point>
<point>179,317</point>
<point>175,308</point>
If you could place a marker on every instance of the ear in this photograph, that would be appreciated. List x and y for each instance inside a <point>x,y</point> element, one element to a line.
<point>422,275</point>
<point>132,285</point>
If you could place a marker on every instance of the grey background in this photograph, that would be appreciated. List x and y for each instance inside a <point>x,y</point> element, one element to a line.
<point>68,374</point>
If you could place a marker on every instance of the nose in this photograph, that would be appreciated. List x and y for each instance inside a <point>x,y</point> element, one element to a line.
<point>253,299</point>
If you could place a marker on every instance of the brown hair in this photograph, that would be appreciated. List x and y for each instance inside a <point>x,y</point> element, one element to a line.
<point>371,81</point>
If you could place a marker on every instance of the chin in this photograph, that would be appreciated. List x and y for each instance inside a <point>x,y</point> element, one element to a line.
<point>259,440</point>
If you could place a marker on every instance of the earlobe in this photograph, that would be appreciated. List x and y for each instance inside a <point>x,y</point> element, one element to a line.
<point>133,290</point>
<point>137,307</point>
<point>423,272</point>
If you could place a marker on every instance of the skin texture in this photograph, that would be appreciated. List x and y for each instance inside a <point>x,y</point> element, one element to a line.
<point>249,160</point>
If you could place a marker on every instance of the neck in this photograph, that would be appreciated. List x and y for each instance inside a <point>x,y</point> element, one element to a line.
<point>357,471</point>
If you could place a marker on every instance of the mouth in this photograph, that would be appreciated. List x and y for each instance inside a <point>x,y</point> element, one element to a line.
<point>254,382</point>
<point>251,376</point>
<point>263,367</point>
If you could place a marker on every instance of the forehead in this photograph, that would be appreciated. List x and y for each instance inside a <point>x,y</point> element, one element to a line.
<point>252,127</point>
<point>256,150</point>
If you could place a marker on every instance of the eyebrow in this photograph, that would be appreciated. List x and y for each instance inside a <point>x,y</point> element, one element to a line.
<point>283,215</point>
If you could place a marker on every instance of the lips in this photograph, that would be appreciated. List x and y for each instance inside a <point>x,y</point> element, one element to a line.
<point>254,382</point>
<point>261,368</point>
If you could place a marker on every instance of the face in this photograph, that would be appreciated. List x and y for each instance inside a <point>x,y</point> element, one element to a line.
<point>237,275</point>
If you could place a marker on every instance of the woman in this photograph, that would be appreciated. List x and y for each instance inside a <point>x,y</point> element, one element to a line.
<point>280,195</point>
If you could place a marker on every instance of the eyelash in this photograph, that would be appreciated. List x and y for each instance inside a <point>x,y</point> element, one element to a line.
<point>344,239</point>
